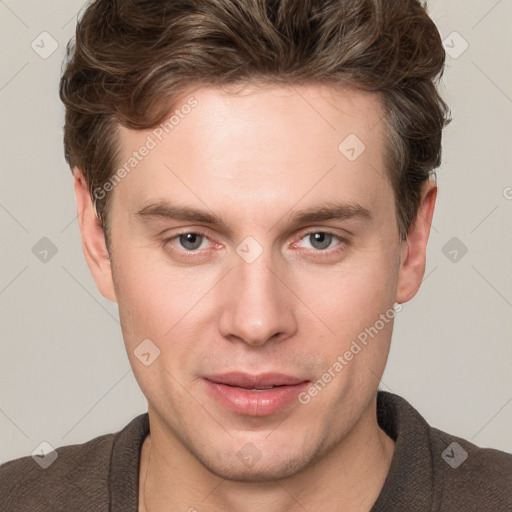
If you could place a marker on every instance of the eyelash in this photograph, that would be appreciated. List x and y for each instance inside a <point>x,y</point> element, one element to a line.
<point>191,254</point>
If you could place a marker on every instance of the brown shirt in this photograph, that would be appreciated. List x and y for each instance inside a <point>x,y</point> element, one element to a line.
<point>430,471</point>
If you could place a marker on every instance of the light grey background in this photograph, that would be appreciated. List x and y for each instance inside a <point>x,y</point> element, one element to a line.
<point>64,373</point>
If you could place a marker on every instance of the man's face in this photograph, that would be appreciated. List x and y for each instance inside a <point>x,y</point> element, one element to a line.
<point>261,293</point>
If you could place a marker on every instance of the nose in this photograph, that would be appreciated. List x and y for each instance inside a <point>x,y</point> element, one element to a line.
<point>258,306</point>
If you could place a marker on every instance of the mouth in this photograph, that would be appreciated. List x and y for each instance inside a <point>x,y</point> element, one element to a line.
<point>254,394</point>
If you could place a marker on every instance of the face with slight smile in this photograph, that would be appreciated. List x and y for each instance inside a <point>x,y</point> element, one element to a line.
<point>265,282</point>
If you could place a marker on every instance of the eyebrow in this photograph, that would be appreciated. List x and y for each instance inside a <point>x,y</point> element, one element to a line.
<point>325,212</point>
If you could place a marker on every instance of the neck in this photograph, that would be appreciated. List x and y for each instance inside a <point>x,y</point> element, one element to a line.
<point>350,475</point>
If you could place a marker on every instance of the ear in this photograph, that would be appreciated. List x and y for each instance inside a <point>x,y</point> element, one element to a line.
<point>93,238</point>
<point>413,251</point>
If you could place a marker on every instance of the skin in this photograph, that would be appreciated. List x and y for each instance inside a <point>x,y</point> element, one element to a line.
<point>255,159</point>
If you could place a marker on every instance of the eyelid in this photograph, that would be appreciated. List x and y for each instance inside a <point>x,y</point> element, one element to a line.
<point>342,240</point>
<point>187,232</point>
<point>325,229</point>
<point>303,233</point>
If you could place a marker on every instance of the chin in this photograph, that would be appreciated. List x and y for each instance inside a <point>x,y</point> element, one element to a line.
<point>280,462</point>
<point>272,471</point>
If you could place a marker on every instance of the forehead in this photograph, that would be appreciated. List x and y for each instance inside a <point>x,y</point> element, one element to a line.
<point>262,143</point>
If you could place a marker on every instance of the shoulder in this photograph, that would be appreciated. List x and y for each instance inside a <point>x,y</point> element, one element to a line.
<point>79,477</point>
<point>472,477</point>
<point>437,470</point>
<point>79,473</point>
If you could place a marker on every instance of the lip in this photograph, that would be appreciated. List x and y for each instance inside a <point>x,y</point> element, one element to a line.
<point>233,391</point>
<point>252,380</point>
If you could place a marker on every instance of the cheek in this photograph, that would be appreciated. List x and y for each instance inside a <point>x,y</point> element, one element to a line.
<point>357,306</point>
<point>173,305</point>
<point>355,347</point>
<point>153,312</point>
<point>147,299</point>
<point>352,297</point>
<point>163,304</point>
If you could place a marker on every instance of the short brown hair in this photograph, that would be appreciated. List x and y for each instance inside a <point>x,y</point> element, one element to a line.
<point>132,58</point>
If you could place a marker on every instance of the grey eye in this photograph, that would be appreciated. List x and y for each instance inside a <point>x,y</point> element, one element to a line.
<point>191,241</point>
<point>320,240</point>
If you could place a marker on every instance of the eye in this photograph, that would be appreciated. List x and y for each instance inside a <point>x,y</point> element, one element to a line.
<point>186,242</point>
<point>194,244</point>
<point>190,241</point>
<point>321,240</point>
